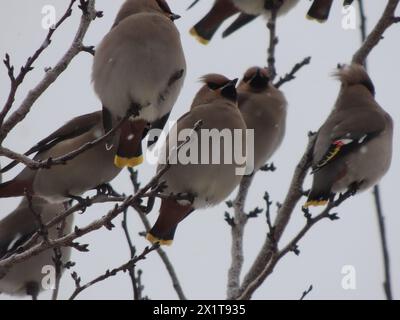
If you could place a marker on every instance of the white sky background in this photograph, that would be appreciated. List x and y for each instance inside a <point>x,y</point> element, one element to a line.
<point>201,251</point>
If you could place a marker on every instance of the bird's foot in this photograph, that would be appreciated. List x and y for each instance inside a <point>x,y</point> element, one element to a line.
<point>268,167</point>
<point>146,209</point>
<point>107,189</point>
<point>83,202</point>
<point>134,110</point>
<point>354,187</point>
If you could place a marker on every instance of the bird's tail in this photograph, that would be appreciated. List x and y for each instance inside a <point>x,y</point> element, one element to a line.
<point>240,21</point>
<point>205,29</point>
<point>316,200</point>
<point>129,152</point>
<point>171,213</point>
<point>318,196</point>
<point>15,188</point>
<point>320,10</point>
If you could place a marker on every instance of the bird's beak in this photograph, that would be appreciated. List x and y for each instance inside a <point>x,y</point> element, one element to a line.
<point>174,16</point>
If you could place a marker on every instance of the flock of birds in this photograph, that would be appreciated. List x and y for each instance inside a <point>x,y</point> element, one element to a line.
<point>138,71</point>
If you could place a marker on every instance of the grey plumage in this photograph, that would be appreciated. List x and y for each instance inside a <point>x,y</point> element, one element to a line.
<point>209,184</point>
<point>354,145</point>
<point>26,277</point>
<point>88,170</point>
<point>248,10</point>
<point>258,7</point>
<point>263,108</point>
<point>140,62</point>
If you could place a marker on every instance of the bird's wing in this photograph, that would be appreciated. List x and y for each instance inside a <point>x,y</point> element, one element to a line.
<point>349,134</point>
<point>239,22</point>
<point>71,129</point>
<point>9,248</point>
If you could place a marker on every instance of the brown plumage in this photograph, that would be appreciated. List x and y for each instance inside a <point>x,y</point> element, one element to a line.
<point>264,110</point>
<point>25,278</point>
<point>88,170</point>
<point>221,10</point>
<point>205,183</point>
<point>354,145</point>
<point>139,69</point>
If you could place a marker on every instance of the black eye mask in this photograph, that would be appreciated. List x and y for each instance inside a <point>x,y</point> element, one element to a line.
<point>215,86</point>
<point>164,6</point>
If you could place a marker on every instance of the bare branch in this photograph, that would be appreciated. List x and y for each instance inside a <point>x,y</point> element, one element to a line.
<point>62,160</point>
<point>387,285</point>
<point>51,75</point>
<point>284,213</point>
<point>292,74</point>
<point>42,229</point>
<point>67,240</point>
<point>292,246</point>
<point>57,260</point>
<point>239,221</point>
<point>237,232</point>
<point>132,250</point>
<point>387,19</point>
<point>163,255</point>
<point>306,292</point>
<point>19,158</point>
<point>273,41</point>
<point>105,221</point>
<point>16,81</point>
<point>125,267</point>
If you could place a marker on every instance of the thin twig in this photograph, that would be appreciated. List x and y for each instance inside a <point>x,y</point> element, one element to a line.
<point>239,221</point>
<point>57,260</point>
<point>306,292</point>
<point>386,20</point>
<point>293,196</point>
<point>16,81</point>
<point>61,160</point>
<point>268,257</point>
<point>105,221</point>
<point>387,285</point>
<point>237,233</point>
<point>110,273</point>
<point>273,41</point>
<point>51,75</point>
<point>292,74</point>
<point>132,250</point>
<point>42,229</point>
<point>292,246</point>
<point>62,216</point>
<point>163,255</point>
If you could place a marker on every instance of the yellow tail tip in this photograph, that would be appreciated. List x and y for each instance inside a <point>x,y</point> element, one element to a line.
<point>161,242</point>
<point>198,37</point>
<point>315,203</point>
<point>121,162</point>
<point>315,19</point>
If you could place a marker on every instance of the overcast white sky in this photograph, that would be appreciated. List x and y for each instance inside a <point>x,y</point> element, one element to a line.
<point>201,251</point>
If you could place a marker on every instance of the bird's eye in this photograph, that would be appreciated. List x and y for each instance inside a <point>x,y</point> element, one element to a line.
<point>213,85</point>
